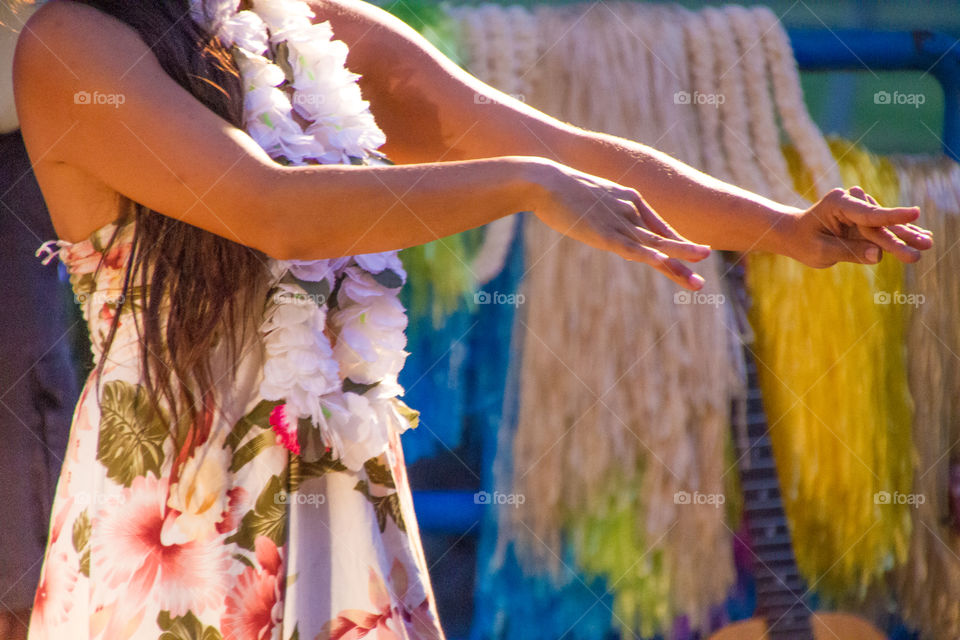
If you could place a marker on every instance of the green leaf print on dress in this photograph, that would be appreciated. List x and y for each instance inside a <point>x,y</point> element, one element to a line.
<point>268,518</point>
<point>131,433</point>
<point>186,627</point>
<point>81,541</point>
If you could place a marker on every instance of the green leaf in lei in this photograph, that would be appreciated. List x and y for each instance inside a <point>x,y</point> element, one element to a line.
<point>282,59</point>
<point>410,415</point>
<point>388,278</point>
<point>383,506</point>
<point>267,518</point>
<point>358,388</point>
<point>131,433</point>
<point>186,627</point>
<point>379,473</point>
<point>319,290</point>
<point>81,538</point>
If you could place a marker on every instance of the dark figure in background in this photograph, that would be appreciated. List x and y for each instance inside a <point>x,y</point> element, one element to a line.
<point>38,387</point>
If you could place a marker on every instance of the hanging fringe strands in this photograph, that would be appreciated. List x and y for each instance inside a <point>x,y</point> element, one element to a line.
<point>839,415</point>
<point>928,585</point>
<point>794,118</point>
<point>597,419</point>
<point>510,32</point>
<point>605,441</point>
<point>444,273</point>
<point>445,276</point>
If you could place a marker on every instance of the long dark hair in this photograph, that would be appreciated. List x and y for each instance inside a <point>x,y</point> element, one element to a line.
<point>210,283</point>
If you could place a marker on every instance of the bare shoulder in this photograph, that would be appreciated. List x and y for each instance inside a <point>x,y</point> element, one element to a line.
<point>60,27</point>
<point>72,39</point>
<point>66,49</point>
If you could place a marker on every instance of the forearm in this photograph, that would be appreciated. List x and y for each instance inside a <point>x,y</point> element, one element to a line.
<point>699,206</point>
<point>430,109</point>
<point>333,210</point>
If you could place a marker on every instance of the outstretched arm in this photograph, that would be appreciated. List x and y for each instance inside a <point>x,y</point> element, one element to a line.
<point>429,109</point>
<point>161,147</point>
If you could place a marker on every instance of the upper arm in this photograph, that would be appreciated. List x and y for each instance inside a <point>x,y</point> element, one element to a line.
<point>91,95</point>
<point>429,108</point>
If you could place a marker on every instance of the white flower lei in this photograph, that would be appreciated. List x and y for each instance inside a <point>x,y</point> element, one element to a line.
<point>346,388</point>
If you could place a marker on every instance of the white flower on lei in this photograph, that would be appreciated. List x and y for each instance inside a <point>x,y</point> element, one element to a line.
<point>268,115</point>
<point>212,13</point>
<point>353,136</point>
<point>247,30</point>
<point>357,429</point>
<point>300,365</point>
<point>377,262</point>
<point>371,340</point>
<point>283,17</point>
<point>315,270</point>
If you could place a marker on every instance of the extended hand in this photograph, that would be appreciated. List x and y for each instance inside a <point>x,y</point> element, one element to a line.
<point>609,216</point>
<point>849,226</point>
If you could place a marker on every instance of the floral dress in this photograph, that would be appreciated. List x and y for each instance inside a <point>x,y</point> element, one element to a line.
<point>216,531</point>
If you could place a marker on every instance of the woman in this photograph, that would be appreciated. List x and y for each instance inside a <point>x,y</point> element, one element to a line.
<point>234,467</point>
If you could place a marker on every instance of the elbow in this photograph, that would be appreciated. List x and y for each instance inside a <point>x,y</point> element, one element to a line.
<point>270,221</point>
<point>276,238</point>
<point>284,226</point>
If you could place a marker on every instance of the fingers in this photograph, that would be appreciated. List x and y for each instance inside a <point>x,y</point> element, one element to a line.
<point>648,218</point>
<point>884,238</point>
<point>904,241</point>
<point>854,208</point>
<point>628,248</point>
<point>681,249</point>
<point>914,236</point>
<point>834,250</point>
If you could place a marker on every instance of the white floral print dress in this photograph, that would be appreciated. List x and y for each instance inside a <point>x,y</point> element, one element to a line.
<point>219,532</point>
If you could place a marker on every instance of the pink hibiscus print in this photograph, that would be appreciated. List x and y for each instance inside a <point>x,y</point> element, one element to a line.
<point>390,621</point>
<point>131,552</point>
<point>53,600</point>
<point>81,257</point>
<point>255,604</point>
<point>237,504</point>
<point>116,256</point>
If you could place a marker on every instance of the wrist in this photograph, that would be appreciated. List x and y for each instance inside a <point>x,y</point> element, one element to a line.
<point>781,234</point>
<point>539,178</point>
